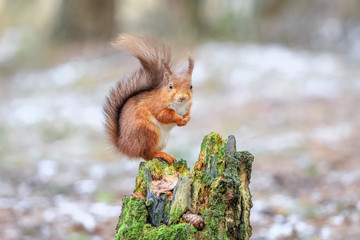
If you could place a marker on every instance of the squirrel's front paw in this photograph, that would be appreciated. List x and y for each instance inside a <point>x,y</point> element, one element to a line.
<point>183,121</point>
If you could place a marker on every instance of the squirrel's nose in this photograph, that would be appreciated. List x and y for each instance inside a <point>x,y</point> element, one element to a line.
<point>181,99</point>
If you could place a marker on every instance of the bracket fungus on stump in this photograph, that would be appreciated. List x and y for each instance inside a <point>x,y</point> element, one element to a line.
<point>211,201</point>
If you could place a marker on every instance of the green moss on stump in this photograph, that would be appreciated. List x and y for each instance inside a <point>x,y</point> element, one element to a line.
<point>212,155</point>
<point>182,231</point>
<point>132,219</point>
<point>217,189</point>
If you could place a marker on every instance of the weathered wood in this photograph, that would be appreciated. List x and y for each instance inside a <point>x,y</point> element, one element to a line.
<point>216,190</point>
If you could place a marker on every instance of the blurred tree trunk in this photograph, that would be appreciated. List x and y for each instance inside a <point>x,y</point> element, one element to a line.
<point>186,14</point>
<point>85,19</point>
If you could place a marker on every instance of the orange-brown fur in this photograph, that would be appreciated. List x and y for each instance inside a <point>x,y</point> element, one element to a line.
<point>143,107</point>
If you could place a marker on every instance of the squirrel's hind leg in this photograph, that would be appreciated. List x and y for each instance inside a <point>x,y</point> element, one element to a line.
<point>148,141</point>
<point>167,157</point>
<point>163,155</point>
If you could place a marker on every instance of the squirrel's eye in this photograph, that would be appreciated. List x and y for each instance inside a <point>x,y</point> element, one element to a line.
<point>171,86</point>
<point>191,87</point>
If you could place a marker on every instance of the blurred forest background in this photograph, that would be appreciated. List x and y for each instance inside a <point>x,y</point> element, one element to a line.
<point>282,76</point>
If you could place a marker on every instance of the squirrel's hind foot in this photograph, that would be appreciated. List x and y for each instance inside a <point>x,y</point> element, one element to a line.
<point>167,157</point>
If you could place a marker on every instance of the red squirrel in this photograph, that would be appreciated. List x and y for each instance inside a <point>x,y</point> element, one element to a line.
<point>141,109</point>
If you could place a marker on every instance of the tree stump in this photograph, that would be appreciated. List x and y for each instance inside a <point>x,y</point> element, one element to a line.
<point>211,201</point>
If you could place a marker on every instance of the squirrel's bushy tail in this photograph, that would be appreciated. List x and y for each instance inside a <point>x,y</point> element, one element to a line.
<point>153,57</point>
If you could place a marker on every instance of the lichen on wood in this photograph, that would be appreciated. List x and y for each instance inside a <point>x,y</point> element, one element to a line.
<point>216,191</point>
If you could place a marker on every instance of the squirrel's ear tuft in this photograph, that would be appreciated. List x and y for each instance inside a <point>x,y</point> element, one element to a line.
<point>167,72</point>
<point>191,66</point>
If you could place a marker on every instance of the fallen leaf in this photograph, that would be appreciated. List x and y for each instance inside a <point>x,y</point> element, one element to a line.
<point>164,185</point>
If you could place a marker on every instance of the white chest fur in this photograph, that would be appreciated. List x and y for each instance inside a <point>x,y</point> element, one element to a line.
<point>165,133</point>
<point>179,108</point>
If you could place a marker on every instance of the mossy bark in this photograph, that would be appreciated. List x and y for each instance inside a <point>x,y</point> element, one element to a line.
<point>217,189</point>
